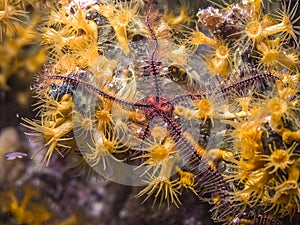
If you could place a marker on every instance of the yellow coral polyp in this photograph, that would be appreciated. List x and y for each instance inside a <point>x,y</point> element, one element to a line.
<point>102,148</point>
<point>219,60</point>
<point>222,52</point>
<point>277,105</point>
<point>257,29</point>
<point>84,124</point>
<point>161,186</point>
<point>289,60</point>
<point>250,150</point>
<point>286,200</point>
<point>10,16</point>
<point>73,36</point>
<point>247,141</point>
<point>122,18</point>
<point>187,180</point>
<point>87,54</point>
<point>256,4</point>
<point>119,16</point>
<point>254,188</point>
<point>270,54</point>
<point>287,24</point>
<point>198,38</point>
<point>253,30</point>
<point>55,109</point>
<point>280,109</point>
<point>103,115</point>
<point>81,26</point>
<point>280,158</point>
<point>218,66</point>
<point>157,153</point>
<point>244,102</point>
<point>183,16</point>
<point>51,134</point>
<point>27,211</point>
<point>185,112</point>
<point>289,136</point>
<point>205,109</point>
<point>270,58</point>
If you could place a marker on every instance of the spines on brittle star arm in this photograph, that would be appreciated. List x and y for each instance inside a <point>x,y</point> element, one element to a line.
<point>258,78</point>
<point>265,220</point>
<point>231,89</point>
<point>97,91</point>
<point>211,184</point>
<point>188,147</point>
<point>255,218</point>
<point>153,66</point>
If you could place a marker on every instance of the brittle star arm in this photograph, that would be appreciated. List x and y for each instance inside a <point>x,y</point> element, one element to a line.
<point>99,92</point>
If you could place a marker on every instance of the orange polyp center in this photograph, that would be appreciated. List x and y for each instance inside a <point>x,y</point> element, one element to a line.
<point>103,115</point>
<point>109,146</point>
<point>270,57</point>
<point>87,124</point>
<point>222,52</point>
<point>277,105</point>
<point>279,158</point>
<point>159,153</point>
<point>123,19</point>
<point>204,106</point>
<point>253,30</point>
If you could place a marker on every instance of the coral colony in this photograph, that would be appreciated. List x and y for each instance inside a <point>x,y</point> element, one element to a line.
<point>206,103</point>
